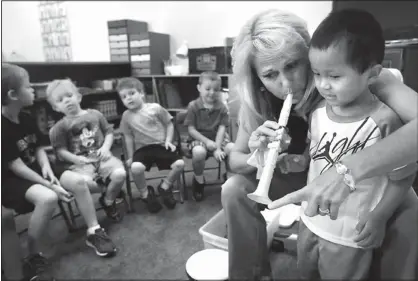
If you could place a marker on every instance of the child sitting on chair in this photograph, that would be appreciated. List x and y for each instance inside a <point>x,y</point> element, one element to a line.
<point>148,132</point>
<point>28,183</point>
<point>83,139</point>
<point>207,119</point>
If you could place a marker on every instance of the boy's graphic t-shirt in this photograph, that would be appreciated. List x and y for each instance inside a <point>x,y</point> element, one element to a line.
<point>147,125</point>
<point>332,138</point>
<point>19,140</point>
<point>81,135</point>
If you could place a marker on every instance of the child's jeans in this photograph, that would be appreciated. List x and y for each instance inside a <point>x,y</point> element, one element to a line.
<point>321,259</point>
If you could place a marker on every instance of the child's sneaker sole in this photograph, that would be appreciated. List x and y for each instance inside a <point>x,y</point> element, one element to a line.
<point>98,253</point>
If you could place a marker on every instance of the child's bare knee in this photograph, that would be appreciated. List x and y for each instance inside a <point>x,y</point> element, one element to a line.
<point>178,165</point>
<point>48,199</point>
<point>228,148</point>
<point>74,182</point>
<point>199,153</point>
<point>118,175</point>
<point>137,168</point>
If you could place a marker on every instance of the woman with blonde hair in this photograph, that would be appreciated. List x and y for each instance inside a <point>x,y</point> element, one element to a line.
<point>270,57</point>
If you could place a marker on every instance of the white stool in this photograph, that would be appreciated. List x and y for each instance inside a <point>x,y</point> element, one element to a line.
<point>208,264</point>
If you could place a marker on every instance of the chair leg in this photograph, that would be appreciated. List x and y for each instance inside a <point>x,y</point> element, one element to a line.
<point>180,188</point>
<point>185,192</point>
<point>68,223</point>
<point>129,191</point>
<point>72,215</point>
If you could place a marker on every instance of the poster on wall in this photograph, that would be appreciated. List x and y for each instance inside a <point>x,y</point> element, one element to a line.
<point>55,30</point>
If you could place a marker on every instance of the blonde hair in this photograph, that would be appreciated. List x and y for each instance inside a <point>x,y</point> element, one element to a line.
<point>55,84</point>
<point>270,35</point>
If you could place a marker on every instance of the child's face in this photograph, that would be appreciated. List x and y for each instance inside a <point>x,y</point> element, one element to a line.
<point>339,83</point>
<point>25,93</point>
<point>279,75</point>
<point>66,99</point>
<point>131,98</point>
<point>209,91</point>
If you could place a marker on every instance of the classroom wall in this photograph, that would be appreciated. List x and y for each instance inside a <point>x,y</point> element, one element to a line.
<point>201,23</point>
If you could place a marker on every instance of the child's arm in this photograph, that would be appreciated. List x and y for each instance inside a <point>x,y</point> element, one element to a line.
<point>43,162</point>
<point>107,144</point>
<point>170,132</point>
<point>371,227</point>
<point>104,151</point>
<point>130,148</point>
<point>19,168</point>
<point>220,134</point>
<point>70,157</point>
<point>128,137</point>
<point>393,197</point>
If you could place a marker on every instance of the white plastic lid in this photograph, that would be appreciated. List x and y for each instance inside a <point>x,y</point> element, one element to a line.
<point>208,264</point>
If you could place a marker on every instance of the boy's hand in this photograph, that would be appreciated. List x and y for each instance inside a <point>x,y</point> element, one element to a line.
<point>291,163</point>
<point>62,193</point>
<point>48,174</point>
<point>170,146</point>
<point>103,154</point>
<point>211,145</point>
<point>129,162</point>
<point>219,155</point>
<point>371,230</point>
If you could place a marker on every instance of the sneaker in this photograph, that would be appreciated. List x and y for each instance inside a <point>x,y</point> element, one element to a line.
<point>167,195</point>
<point>153,205</point>
<point>101,243</point>
<point>36,267</point>
<point>198,190</point>
<point>111,210</point>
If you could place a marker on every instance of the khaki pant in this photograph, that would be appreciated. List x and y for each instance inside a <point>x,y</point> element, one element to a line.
<point>321,259</point>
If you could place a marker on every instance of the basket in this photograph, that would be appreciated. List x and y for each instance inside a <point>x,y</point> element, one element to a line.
<point>214,232</point>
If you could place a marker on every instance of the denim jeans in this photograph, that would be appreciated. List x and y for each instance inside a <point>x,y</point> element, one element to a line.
<point>247,237</point>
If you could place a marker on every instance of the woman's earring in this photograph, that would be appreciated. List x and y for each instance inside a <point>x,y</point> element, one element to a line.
<point>262,89</point>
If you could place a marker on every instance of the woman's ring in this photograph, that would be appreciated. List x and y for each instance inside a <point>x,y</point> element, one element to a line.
<point>323,212</point>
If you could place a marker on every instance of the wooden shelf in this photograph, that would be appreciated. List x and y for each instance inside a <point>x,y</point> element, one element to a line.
<point>87,93</point>
<point>176,76</point>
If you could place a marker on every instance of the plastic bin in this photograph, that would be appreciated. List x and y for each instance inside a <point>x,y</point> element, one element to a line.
<point>214,232</point>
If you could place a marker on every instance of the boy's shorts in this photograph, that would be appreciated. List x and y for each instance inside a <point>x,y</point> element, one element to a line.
<point>158,154</point>
<point>13,191</point>
<point>192,143</point>
<point>100,169</point>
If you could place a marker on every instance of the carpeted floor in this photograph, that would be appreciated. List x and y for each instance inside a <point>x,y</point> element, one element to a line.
<point>150,246</point>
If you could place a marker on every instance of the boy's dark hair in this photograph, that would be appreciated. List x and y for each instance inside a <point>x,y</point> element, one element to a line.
<point>11,79</point>
<point>211,76</point>
<point>130,83</point>
<point>355,30</point>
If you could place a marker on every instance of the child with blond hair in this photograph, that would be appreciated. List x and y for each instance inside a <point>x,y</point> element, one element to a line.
<point>82,140</point>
